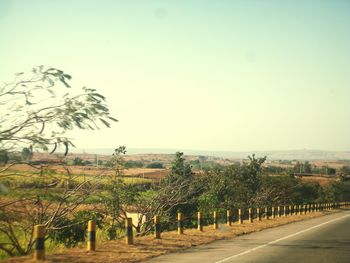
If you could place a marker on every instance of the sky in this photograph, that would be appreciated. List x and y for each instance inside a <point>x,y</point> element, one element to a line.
<point>201,75</point>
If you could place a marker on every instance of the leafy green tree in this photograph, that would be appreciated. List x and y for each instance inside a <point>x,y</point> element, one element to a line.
<point>232,186</point>
<point>179,169</point>
<point>27,154</point>
<point>4,157</point>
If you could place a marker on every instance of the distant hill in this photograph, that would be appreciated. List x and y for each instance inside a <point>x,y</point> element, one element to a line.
<point>272,155</point>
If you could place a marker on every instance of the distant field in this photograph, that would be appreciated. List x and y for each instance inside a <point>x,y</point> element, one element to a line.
<point>323,181</point>
<point>150,173</point>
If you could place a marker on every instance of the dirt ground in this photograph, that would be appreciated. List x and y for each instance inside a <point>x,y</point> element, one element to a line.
<point>147,247</point>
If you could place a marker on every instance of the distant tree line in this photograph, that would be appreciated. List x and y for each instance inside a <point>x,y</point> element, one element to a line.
<point>307,168</point>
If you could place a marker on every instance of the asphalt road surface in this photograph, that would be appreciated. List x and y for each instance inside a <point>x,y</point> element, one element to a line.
<point>323,239</point>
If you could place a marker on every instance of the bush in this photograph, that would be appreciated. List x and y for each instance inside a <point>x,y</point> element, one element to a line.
<point>133,164</point>
<point>74,230</point>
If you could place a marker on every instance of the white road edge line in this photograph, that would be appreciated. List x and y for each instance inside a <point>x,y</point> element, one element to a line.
<point>280,239</point>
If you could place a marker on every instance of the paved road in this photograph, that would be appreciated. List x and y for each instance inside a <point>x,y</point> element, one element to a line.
<point>323,239</point>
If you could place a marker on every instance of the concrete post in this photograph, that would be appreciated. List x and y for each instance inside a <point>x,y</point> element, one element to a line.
<point>156,220</point>
<point>180,223</point>
<point>129,239</point>
<point>39,237</point>
<point>199,221</point>
<point>229,218</point>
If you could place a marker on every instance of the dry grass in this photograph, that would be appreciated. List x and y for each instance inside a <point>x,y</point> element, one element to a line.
<point>88,170</point>
<point>323,181</point>
<point>148,247</point>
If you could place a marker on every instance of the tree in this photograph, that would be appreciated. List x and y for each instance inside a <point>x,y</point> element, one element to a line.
<point>27,154</point>
<point>307,168</point>
<point>4,157</point>
<point>37,109</point>
<point>179,168</point>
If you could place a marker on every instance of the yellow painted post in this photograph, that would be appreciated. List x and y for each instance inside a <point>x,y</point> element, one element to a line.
<point>129,239</point>
<point>91,242</point>
<point>295,210</point>
<point>216,220</point>
<point>157,227</point>
<point>229,218</point>
<point>240,219</point>
<point>199,221</point>
<point>258,215</point>
<point>279,211</point>
<point>284,211</point>
<point>273,212</point>
<point>250,214</point>
<point>300,210</point>
<point>180,223</point>
<point>39,237</point>
<point>290,210</point>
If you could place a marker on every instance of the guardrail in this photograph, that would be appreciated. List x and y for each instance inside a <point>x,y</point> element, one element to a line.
<point>240,215</point>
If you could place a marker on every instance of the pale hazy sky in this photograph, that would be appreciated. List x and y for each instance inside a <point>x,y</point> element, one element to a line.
<point>206,75</point>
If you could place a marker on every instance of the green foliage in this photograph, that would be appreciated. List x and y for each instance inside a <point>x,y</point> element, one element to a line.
<point>133,164</point>
<point>344,170</point>
<point>338,191</point>
<point>155,165</point>
<point>77,161</point>
<point>232,186</point>
<point>116,195</point>
<point>300,167</point>
<point>72,231</point>
<point>27,154</point>
<point>4,157</point>
<point>179,169</point>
